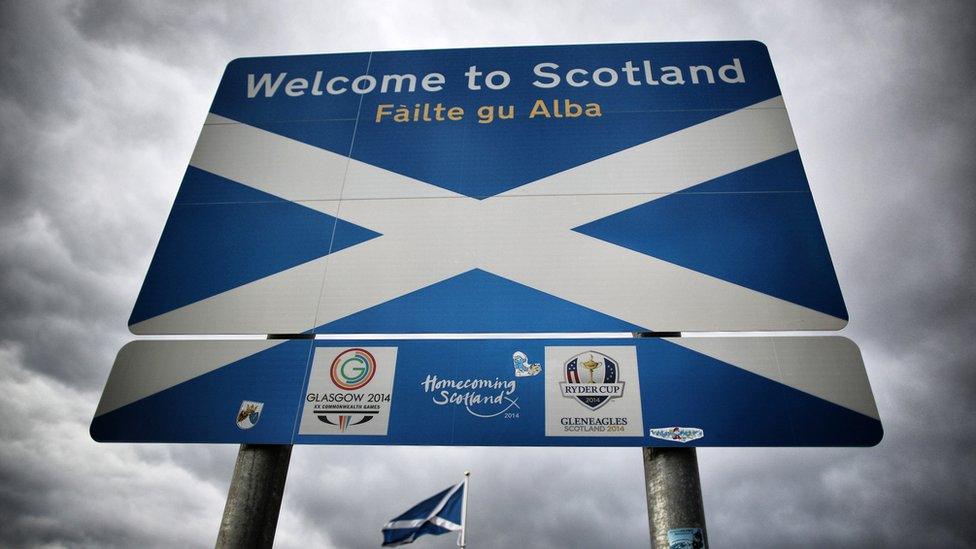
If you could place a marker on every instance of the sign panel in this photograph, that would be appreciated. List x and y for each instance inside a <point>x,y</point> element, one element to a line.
<point>782,391</point>
<point>626,187</point>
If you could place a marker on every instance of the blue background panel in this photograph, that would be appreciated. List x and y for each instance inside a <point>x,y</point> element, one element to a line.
<point>203,409</point>
<point>232,101</point>
<point>756,227</point>
<point>739,408</point>
<point>482,160</point>
<point>679,387</point>
<point>208,248</point>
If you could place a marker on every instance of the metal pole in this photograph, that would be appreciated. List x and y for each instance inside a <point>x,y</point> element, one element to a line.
<point>254,498</point>
<point>674,497</point>
<point>463,539</point>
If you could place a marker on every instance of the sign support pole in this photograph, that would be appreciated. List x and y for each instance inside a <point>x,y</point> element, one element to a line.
<point>254,497</point>
<point>674,497</point>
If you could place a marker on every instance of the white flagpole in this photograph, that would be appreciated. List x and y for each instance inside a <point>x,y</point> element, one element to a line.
<point>464,511</point>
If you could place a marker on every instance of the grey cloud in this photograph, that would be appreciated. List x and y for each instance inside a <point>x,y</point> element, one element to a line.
<point>57,487</point>
<point>75,210</point>
<point>100,105</point>
<point>896,197</point>
<point>555,509</point>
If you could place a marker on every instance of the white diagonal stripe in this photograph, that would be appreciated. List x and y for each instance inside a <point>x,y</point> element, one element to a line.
<point>681,159</point>
<point>144,368</point>
<point>830,368</point>
<point>365,181</point>
<point>360,277</point>
<point>525,234</point>
<point>266,161</point>
<point>413,523</point>
<point>656,293</point>
<point>296,171</point>
<point>276,304</point>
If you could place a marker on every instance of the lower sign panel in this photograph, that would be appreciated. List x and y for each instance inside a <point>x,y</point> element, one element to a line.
<point>749,391</point>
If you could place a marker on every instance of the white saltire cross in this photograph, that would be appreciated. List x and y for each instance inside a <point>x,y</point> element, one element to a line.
<point>430,234</point>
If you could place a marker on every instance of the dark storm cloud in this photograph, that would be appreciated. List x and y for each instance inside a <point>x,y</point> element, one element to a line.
<point>85,179</point>
<point>922,237</point>
<point>169,28</point>
<point>85,118</point>
<point>887,137</point>
<point>58,488</point>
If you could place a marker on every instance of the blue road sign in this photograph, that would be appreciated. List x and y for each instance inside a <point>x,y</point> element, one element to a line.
<point>626,187</point>
<point>782,391</point>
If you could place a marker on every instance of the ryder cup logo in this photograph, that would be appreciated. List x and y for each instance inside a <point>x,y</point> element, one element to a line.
<point>592,379</point>
<point>353,369</point>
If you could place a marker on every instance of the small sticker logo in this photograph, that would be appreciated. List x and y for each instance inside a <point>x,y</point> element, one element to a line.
<point>686,538</point>
<point>677,434</point>
<point>592,378</point>
<point>249,414</point>
<point>523,368</point>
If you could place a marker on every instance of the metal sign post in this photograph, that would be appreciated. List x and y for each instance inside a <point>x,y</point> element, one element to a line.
<point>254,498</point>
<point>674,497</point>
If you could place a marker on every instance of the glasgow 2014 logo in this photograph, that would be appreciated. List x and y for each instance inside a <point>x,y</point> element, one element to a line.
<point>353,369</point>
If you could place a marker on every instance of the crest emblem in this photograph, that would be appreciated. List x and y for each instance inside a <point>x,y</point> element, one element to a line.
<point>592,378</point>
<point>249,414</point>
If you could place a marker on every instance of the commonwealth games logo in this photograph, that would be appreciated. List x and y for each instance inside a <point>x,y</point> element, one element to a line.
<point>350,391</point>
<point>353,369</point>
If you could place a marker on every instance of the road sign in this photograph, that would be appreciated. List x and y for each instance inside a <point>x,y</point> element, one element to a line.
<point>782,391</point>
<point>630,187</point>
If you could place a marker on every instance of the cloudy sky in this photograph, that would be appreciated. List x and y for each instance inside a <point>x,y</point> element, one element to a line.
<point>100,107</point>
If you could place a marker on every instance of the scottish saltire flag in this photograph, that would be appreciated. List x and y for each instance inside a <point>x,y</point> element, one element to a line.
<point>620,188</point>
<point>438,514</point>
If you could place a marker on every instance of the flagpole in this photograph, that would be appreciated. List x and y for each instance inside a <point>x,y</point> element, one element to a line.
<point>464,511</point>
